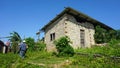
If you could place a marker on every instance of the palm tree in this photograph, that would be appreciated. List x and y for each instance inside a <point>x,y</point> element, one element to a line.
<point>15,39</point>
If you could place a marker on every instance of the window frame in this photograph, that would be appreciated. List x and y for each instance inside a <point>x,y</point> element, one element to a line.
<point>52,36</point>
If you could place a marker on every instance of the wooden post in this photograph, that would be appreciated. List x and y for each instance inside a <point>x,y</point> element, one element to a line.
<point>38,34</point>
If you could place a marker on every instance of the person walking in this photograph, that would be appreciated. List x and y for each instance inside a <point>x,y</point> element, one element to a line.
<point>22,49</point>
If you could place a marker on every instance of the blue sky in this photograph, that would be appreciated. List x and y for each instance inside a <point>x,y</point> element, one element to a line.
<point>27,16</point>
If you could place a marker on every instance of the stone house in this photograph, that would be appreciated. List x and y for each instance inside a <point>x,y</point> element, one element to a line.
<point>79,27</point>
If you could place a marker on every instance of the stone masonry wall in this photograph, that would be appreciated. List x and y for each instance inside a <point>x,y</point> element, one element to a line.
<point>68,26</point>
<point>56,27</point>
<point>72,30</point>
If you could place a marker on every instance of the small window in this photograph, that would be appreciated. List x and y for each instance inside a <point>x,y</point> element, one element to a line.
<point>52,36</point>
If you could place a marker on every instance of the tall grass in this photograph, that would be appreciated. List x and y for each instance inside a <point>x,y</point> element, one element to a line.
<point>111,49</point>
<point>48,60</point>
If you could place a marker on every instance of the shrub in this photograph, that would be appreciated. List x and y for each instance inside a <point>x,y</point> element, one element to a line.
<point>40,46</point>
<point>15,47</point>
<point>30,43</point>
<point>63,47</point>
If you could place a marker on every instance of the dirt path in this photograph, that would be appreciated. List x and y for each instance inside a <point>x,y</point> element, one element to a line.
<point>58,65</point>
<point>39,64</point>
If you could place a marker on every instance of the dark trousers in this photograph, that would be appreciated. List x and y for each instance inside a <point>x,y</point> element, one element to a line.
<point>22,54</point>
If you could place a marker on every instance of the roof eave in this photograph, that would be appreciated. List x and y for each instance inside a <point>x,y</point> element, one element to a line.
<point>54,19</point>
<point>76,13</point>
<point>88,18</point>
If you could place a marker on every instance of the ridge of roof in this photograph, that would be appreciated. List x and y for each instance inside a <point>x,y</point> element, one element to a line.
<point>76,13</point>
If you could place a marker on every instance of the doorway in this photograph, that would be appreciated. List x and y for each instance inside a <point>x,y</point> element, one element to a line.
<point>82,38</point>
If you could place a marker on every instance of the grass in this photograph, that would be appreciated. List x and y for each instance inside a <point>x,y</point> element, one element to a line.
<point>111,49</point>
<point>38,59</point>
<point>35,60</point>
<point>46,60</point>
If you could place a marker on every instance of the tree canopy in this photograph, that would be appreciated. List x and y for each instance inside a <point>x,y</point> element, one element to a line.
<point>103,36</point>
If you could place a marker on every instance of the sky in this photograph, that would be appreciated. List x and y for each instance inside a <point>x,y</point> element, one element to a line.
<point>27,17</point>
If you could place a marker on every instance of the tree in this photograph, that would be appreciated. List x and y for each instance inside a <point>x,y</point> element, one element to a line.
<point>100,35</point>
<point>15,39</point>
<point>112,34</point>
<point>118,34</point>
<point>104,36</point>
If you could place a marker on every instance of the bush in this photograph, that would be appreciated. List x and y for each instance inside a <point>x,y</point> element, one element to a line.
<point>30,43</point>
<point>63,47</point>
<point>40,46</point>
<point>15,47</point>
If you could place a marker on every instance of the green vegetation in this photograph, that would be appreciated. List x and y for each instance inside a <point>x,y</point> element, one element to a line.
<point>118,34</point>
<point>110,49</point>
<point>63,47</point>
<point>95,62</point>
<point>107,56</point>
<point>40,46</point>
<point>15,40</point>
<point>15,37</point>
<point>43,59</point>
<point>35,46</point>
<point>37,57</point>
<point>103,36</point>
<point>30,43</point>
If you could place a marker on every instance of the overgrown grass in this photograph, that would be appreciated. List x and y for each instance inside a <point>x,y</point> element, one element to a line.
<point>36,59</point>
<point>111,49</point>
<point>47,60</point>
<point>92,62</point>
<point>43,59</point>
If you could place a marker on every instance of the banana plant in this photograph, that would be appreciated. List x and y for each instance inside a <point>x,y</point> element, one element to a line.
<point>15,40</point>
